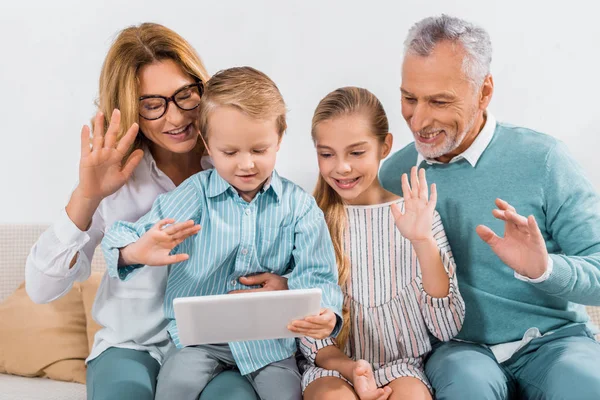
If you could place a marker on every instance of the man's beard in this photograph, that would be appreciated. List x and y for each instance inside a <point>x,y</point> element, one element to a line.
<point>450,143</point>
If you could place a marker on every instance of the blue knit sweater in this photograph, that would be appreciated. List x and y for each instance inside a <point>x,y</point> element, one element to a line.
<point>535,173</point>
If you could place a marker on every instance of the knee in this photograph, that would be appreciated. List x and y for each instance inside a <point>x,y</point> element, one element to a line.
<point>464,376</point>
<point>228,385</point>
<point>122,390</point>
<point>563,382</point>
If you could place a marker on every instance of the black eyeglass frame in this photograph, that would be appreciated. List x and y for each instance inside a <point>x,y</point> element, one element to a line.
<point>198,84</point>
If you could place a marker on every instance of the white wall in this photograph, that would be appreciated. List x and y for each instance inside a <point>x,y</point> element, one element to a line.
<point>545,67</point>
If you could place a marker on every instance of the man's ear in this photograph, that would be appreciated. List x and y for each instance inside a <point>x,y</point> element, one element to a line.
<point>486,92</point>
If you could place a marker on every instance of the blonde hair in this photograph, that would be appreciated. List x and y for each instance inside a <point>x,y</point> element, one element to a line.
<point>246,89</point>
<point>343,102</point>
<point>135,47</point>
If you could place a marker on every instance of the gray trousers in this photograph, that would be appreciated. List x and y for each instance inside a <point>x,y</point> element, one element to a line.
<point>187,371</point>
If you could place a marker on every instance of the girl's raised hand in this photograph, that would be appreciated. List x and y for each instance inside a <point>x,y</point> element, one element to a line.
<point>415,223</point>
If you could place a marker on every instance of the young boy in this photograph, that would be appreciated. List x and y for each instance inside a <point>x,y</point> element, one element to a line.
<point>252,220</point>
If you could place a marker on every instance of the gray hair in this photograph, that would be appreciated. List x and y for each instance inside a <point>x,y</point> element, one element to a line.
<point>427,33</point>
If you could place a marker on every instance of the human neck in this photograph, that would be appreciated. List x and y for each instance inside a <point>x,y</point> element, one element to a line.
<point>177,166</point>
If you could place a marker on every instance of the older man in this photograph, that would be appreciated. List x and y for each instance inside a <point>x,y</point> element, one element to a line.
<point>526,332</point>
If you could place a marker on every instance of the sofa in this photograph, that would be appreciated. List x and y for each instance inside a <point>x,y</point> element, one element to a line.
<point>15,243</point>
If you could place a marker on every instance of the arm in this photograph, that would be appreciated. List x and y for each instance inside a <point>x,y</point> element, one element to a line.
<point>61,256</point>
<point>572,223</point>
<point>441,304</point>
<point>63,253</point>
<point>123,250</point>
<point>314,266</point>
<point>443,314</point>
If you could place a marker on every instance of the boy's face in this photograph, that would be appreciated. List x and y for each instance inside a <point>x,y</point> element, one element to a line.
<point>243,149</point>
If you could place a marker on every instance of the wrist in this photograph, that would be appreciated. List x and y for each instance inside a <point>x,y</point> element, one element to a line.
<point>127,256</point>
<point>423,244</point>
<point>81,209</point>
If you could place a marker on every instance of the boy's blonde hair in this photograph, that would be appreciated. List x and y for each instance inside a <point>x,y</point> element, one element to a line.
<point>135,47</point>
<point>247,89</point>
<point>343,102</point>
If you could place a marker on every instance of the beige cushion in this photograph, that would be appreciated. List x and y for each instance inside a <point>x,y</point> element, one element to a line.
<point>45,340</point>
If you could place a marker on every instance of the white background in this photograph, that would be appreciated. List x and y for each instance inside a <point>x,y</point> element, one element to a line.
<point>545,66</point>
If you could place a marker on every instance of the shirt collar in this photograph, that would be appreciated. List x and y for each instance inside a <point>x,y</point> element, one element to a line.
<point>217,185</point>
<point>474,152</point>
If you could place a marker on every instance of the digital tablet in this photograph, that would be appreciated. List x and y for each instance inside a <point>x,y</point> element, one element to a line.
<point>243,316</point>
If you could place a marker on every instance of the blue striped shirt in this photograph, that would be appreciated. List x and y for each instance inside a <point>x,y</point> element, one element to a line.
<point>281,231</point>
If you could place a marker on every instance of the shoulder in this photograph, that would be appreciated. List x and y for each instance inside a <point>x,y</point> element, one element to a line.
<point>525,140</point>
<point>399,162</point>
<point>298,201</point>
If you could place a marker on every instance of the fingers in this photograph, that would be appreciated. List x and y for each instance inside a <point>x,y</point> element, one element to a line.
<point>252,280</point>
<point>519,220</point>
<point>379,394</point>
<point>177,227</point>
<point>414,182</point>
<point>534,229</point>
<point>98,133</point>
<point>160,224</point>
<point>127,140</point>
<point>132,162</point>
<point>175,258</point>
<point>513,218</point>
<point>248,290</point>
<point>406,193</point>
<point>85,141</point>
<point>433,197</point>
<point>387,392</point>
<point>306,325</point>
<point>503,205</point>
<point>487,235</point>
<point>423,185</point>
<point>183,234</point>
<point>110,138</point>
<point>396,211</point>
<point>313,333</point>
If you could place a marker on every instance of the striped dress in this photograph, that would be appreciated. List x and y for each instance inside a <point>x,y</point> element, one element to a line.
<point>390,313</point>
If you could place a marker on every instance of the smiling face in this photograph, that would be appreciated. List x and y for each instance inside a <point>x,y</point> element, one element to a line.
<point>349,155</point>
<point>176,130</point>
<point>443,109</point>
<point>243,149</point>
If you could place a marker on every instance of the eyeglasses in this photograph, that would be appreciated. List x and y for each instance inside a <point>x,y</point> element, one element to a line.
<point>187,98</point>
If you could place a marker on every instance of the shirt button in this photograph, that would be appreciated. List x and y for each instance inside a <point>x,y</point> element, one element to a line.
<point>247,211</point>
<point>233,282</point>
<point>244,251</point>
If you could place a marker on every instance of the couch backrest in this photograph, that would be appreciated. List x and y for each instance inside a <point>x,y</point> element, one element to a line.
<point>15,243</point>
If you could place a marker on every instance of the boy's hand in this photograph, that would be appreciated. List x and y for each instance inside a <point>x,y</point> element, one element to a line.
<point>154,246</point>
<point>316,326</point>
<point>365,385</point>
<point>267,281</point>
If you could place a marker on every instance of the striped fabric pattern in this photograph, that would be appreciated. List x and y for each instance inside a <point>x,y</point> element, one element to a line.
<point>391,314</point>
<point>281,231</point>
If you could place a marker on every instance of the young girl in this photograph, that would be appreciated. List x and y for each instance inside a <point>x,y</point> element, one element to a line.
<point>395,266</point>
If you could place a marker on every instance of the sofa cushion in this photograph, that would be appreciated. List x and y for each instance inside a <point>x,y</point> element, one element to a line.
<point>16,387</point>
<point>46,340</point>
